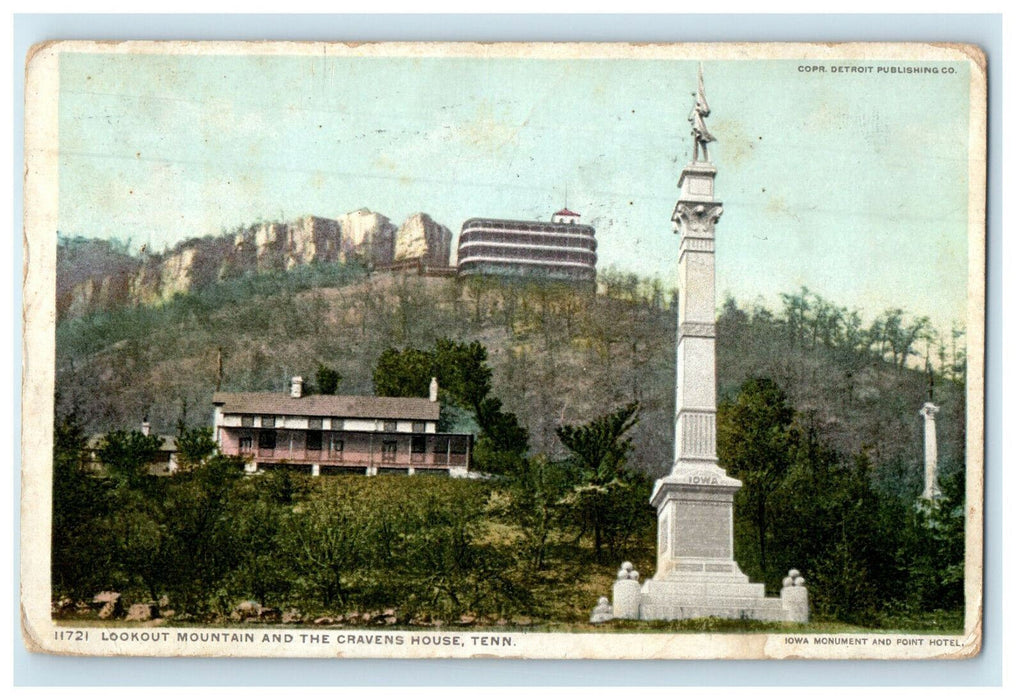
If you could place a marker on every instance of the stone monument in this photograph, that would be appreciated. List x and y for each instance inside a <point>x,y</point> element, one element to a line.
<point>931,489</point>
<point>697,575</point>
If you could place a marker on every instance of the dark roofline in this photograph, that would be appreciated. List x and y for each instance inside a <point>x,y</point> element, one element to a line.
<point>323,405</point>
<point>168,443</point>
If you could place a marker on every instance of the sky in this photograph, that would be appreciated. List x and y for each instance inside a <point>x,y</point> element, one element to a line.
<point>853,185</point>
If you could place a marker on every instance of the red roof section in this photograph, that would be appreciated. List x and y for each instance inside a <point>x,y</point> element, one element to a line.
<point>566,212</point>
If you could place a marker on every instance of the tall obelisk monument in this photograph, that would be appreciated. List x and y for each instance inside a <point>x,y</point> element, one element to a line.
<point>694,502</point>
<point>695,216</point>
<point>696,572</point>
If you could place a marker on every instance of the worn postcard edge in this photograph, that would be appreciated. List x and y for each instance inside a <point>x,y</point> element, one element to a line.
<point>38,353</point>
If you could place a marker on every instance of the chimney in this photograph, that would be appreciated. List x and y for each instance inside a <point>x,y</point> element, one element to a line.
<point>296,387</point>
<point>145,425</point>
<point>433,389</point>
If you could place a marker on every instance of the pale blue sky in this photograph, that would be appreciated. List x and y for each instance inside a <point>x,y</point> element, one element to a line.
<point>854,186</point>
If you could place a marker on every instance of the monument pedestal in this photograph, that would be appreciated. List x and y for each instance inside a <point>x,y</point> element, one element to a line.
<point>697,575</point>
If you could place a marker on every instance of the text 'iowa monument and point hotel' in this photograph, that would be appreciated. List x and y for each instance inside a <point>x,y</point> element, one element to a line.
<point>697,575</point>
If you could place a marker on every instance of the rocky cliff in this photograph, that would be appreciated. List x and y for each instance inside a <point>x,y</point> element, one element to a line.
<point>95,275</point>
<point>420,237</point>
<point>367,237</point>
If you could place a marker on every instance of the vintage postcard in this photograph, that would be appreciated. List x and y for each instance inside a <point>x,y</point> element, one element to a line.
<point>504,350</point>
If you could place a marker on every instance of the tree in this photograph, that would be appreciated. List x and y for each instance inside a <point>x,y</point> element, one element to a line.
<point>538,488</point>
<point>936,547</point>
<point>755,440</point>
<point>462,371</point>
<point>828,519</point>
<point>330,541</point>
<point>600,501</point>
<point>201,531</point>
<point>195,446</point>
<point>80,544</point>
<point>797,307</point>
<point>501,430</point>
<point>448,563</point>
<point>600,446</point>
<point>259,572</point>
<point>403,372</point>
<point>464,377</point>
<point>327,379</point>
<point>143,551</point>
<point>128,454</point>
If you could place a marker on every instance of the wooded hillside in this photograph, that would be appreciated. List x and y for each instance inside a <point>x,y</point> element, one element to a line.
<point>560,355</point>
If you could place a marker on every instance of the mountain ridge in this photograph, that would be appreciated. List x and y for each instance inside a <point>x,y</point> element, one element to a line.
<point>95,275</point>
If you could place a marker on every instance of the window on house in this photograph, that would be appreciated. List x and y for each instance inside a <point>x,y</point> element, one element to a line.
<point>245,444</point>
<point>418,426</point>
<point>314,440</point>
<point>267,439</point>
<point>266,421</point>
<point>390,426</point>
<point>337,423</point>
<point>418,444</point>
<point>315,424</point>
<point>440,445</point>
<point>337,444</point>
<point>388,450</point>
<point>247,421</point>
<point>458,445</point>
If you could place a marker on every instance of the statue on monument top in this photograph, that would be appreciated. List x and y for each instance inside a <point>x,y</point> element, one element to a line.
<point>701,110</point>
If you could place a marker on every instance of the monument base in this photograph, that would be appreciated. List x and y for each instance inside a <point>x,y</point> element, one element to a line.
<point>713,593</point>
<point>730,597</point>
<point>696,574</point>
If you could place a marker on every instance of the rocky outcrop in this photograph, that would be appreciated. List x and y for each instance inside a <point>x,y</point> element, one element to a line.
<point>96,294</point>
<point>367,237</point>
<point>313,239</point>
<point>108,604</point>
<point>143,612</point>
<point>95,275</point>
<point>422,238</point>
<point>159,279</point>
<point>282,246</point>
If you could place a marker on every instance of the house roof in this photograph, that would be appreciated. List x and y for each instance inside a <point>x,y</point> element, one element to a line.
<point>168,443</point>
<point>384,407</point>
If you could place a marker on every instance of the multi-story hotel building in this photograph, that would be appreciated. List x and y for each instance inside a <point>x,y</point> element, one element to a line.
<point>562,249</point>
<point>321,434</point>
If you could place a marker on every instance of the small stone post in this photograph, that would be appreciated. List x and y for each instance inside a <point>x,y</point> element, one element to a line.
<point>795,600</point>
<point>602,612</point>
<point>626,593</point>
